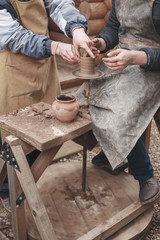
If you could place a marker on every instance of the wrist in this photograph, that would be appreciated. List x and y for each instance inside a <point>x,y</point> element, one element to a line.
<point>54,46</point>
<point>139,58</point>
<point>77,29</point>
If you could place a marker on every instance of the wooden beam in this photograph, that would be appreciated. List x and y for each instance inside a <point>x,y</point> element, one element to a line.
<point>31,192</point>
<point>121,219</point>
<point>42,162</point>
<point>18,214</point>
<point>3,171</point>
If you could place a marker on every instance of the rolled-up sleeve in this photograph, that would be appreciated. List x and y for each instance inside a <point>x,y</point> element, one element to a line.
<point>153,59</point>
<point>65,15</point>
<point>110,31</point>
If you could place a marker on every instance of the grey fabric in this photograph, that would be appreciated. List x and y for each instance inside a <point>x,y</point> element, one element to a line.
<point>123,104</point>
<point>110,35</point>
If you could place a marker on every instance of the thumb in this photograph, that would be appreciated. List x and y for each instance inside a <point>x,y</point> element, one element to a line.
<point>114,53</point>
<point>95,40</point>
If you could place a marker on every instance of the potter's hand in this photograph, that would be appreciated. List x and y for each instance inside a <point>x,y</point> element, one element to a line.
<point>99,43</point>
<point>66,51</point>
<point>81,40</point>
<point>119,59</point>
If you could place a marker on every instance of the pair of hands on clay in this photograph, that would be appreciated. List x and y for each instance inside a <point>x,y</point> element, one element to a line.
<point>69,52</point>
<point>117,60</point>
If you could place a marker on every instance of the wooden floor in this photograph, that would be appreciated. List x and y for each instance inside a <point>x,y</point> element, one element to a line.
<point>74,213</point>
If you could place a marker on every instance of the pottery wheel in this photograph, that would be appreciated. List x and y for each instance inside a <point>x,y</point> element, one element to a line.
<point>73,213</point>
<point>97,74</point>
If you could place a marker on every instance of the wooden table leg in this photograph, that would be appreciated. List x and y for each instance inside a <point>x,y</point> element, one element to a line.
<point>42,162</point>
<point>31,192</point>
<point>86,91</point>
<point>3,171</point>
<point>84,163</point>
<point>18,214</point>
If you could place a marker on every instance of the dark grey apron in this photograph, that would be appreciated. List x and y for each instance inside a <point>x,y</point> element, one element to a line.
<point>123,104</point>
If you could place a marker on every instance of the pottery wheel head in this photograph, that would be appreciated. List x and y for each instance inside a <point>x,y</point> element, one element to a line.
<point>96,74</point>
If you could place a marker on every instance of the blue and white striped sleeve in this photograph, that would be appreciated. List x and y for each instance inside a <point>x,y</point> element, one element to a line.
<point>65,15</point>
<point>16,38</point>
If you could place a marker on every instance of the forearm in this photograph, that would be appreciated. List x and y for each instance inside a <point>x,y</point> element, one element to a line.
<point>17,39</point>
<point>138,58</point>
<point>110,32</point>
<point>153,59</point>
<point>65,15</point>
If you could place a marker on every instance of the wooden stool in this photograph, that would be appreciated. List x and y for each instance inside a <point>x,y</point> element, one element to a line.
<point>34,127</point>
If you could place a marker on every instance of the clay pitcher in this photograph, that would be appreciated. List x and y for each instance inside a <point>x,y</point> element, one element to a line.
<point>65,108</point>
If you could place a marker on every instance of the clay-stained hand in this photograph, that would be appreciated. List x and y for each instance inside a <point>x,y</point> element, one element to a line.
<point>99,43</point>
<point>81,40</point>
<point>119,59</point>
<point>67,52</point>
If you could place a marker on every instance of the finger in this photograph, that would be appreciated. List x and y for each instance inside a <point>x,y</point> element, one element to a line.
<point>115,65</point>
<point>88,50</point>
<point>90,53</point>
<point>69,60</point>
<point>85,54</point>
<point>112,65</point>
<point>114,53</point>
<point>95,41</point>
<point>94,49</point>
<point>73,59</point>
<point>115,69</point>
<point>70,54</point>
<point>76,51</point>
<point>110,59</point>
<point>96,54</point>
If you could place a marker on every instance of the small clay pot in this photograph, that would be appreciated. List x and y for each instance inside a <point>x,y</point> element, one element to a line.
<point>65,108</point>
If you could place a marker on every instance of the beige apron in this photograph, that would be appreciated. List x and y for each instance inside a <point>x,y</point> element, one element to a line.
<point>25,80</point>
<point>123,104</point>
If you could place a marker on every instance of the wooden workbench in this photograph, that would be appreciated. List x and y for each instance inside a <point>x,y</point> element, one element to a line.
<point>35,127</point>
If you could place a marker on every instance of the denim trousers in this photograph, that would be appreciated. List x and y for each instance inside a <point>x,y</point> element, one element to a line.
<point>139,162</point>
<point>138,159</point>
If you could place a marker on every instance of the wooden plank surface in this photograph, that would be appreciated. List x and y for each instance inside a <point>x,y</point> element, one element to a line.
<point>121,219</point>
<point>73,221</point>
<point>85,201</point>
<point>96,214</point>
<point>70,217</point>
<point>124,195</point>
<point>37,126</point>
